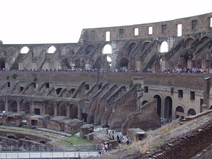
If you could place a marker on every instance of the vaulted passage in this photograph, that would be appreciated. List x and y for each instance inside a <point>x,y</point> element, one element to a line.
<point>179,112</point>
<point>49,108</point>
<point>2,63</point>
<point>25,106</point>
<point>168,108</point>
<point>124,63</point>
<point>158,104</point>
<point>61,109</point>
<point>2,105</point>
<point>12,105</point>
<point>73,111</point>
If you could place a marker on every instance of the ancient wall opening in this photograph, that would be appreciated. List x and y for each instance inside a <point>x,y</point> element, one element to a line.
<point>131,47</point>
<point>107,36</point>
<point>164,47</point>
<point>191,112</point>
<point>49,108</point>
<point>2,63</point>
<point>73,111</point>
<point>51,49</point>
<point>179,112</point>
<point>179,30</point>
<point>136,31</point>
<point>24,50</point>
<point>25,106</point>
<point>124,63</point>
<point>158,104</point>
<point>107,49</point>
<point>168,108</point>
<point>89,49</point>
<point>2,105</point>
<point>61,109</point>
<point>12,105</point>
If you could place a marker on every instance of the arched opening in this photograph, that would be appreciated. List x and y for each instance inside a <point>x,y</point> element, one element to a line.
<point>144,102</point>
<point>58,90</point>
<point>25,106</point>
<point>107,49</point>
<point>109,60</point>
<point>2,105</point>
<point>49,108</point>
<point>168,109</point>
<point>61,109</point>
<point>131,47</point>
<point>164,47</point>
<point>89,48</point>
<point>145,44</point>
<point>24,50</point>
<point>2,63</point>
<point>51,49</point>
<point>72,90</point>
<point>12,105</point>
<point>124,64</point>
<point>204,39</point>
<point>179,112</point>
<point>74,111</point>
<point>97,63</point>
<point>188,42</point>
<point>158,104</point>
<point>191,112</point>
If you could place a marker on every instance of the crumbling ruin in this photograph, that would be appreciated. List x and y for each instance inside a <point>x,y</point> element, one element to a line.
<point>112,76</point>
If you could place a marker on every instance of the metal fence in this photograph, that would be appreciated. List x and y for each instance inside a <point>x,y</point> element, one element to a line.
<point>49,155</point>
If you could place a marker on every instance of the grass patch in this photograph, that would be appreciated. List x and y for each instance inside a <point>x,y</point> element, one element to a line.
<point>75,140</point>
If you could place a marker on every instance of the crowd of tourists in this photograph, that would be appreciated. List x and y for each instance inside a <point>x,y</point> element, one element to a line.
<point>150,70</point>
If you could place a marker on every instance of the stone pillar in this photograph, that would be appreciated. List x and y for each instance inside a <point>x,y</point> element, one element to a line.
<point>79,113</point>
<point>6,105</point>
<point>55,109</point>
<point>43,112</point>
<point>32,108</point>
<point>162,108</point>
<point>18,107</point>
<point>68,110</point>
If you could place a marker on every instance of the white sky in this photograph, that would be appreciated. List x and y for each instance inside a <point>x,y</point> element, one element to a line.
<point>61,21</point>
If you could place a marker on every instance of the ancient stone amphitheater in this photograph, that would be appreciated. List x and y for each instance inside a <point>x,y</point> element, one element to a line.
<point>124,77</point>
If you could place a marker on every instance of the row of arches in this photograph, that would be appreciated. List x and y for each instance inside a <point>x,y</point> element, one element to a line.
<point>166,111</point>
<point>50,49</point>
<point>48,107</point>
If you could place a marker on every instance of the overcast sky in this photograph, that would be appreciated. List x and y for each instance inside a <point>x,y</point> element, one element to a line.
<point>61,21</point>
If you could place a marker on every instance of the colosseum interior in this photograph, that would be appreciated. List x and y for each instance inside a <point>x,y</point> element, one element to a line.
<point>123,77</point>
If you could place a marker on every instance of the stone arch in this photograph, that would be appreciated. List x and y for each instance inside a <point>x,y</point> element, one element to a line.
<point>168,108</point>
<point>72,90</point>
<point>145,45</point>
<point>179,112</point>
<point>12,105</point>
<point>188,41</point>
<point>158,104</point>
<point>51,49</point>
<point>2,105</point>
<point>203,39</point>
<point>131,47</point>
<point>89,48</point>
<point>2,63</point>
<point>144,102</point>
<point>24,50</point>
<point>164,47</point>
<point>107,49</point>
<point>73,111</point>
<point>124,62</point>
<point>58,90</point>
<point>61,109</point>
<point>25,106</point>
<point>49,108</point>
<point>191,112</point>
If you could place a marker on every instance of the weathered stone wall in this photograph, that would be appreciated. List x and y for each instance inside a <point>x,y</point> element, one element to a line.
<point>160,29</point>
<point>146,118</point>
